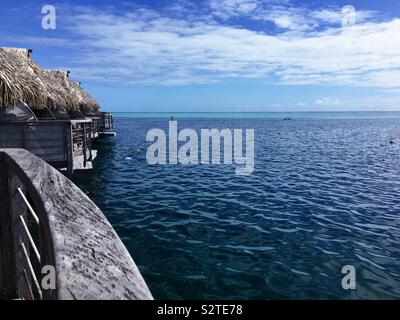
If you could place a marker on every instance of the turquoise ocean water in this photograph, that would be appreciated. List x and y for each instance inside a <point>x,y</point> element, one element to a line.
<point>325,193</point>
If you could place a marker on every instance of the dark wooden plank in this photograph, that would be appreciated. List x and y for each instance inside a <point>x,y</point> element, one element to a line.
<point>11,135</point>
<point>8,288</point>
<point>11,143</point>
<point>40,149</point>
<point>44,128</point>
<point>10,129</point>
<point>69,148</point>
<point>46,136</point>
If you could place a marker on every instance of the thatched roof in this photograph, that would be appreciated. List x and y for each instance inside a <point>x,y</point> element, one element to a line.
<point>22,79</point>
<point>58,93</point>
<point>80,99</point>
<point>18,80</point>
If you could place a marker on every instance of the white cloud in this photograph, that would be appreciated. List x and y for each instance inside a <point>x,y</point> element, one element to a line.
<point>228,8</point>
<point>284,14</point>
<point>286,17</point>
<point>147,47</point>
<point>328,102</point>
<point>373,102</point>
<point>327,15</point>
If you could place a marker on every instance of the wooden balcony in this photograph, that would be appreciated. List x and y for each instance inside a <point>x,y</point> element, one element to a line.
<point>65,144</point>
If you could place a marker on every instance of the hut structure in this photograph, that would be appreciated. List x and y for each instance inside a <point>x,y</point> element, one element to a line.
<point>46,112</point>
<point>85,106</point>
<point>88,108</point>
<point>79,99</point>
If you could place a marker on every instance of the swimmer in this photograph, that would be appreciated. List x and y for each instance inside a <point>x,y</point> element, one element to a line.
<point>133,150</point>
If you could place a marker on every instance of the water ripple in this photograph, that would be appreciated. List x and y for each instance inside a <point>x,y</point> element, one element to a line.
<point>324,194</point>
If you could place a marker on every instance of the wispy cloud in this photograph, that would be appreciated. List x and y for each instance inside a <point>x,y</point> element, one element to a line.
<point>226,9</point>
<point>199,45</point>
<point>285,15</point>
<point>373,102</point>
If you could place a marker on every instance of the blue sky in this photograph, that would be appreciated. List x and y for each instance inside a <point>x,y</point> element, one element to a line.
<point>218,55</point>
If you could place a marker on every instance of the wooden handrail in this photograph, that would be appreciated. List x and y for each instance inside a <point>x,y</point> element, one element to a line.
<point>90,260</point>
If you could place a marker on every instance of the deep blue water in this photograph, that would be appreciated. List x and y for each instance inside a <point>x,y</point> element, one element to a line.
<point>325,193</point>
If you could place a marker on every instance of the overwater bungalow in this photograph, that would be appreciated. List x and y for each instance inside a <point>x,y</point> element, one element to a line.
<point>48,226</point>
<point>47,113</point>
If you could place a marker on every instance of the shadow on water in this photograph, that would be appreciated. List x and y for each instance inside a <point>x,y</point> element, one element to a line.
<point>94,182</point>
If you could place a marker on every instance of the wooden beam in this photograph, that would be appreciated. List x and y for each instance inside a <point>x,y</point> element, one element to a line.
<point>8,283</point>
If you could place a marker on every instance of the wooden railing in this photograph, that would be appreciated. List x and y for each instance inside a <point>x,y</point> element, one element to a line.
<point>50,140</point>
<point>106,121</point>
<point>94,127</point>
<point>47,223</point>
<point>59,142</point>
<point>82,139</point>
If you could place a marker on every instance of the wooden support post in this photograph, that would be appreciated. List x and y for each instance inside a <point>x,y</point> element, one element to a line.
<point>70,148</point>
<point>7,263</point>
<point>24,136</point>
<point>84,145</point>
<point>90,141</point>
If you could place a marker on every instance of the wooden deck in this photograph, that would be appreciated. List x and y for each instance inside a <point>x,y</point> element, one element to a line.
<point>65,144</point>
<point>72,235</point>
<point>62,143</point>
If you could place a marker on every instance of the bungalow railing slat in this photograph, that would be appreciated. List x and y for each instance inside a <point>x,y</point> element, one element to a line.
<point>28,282</point>
<point>28,233</point>
<point>32,271</point>
<point>28,205</point>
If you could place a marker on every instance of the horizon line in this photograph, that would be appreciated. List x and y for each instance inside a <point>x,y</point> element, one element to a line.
<point>331,111</point>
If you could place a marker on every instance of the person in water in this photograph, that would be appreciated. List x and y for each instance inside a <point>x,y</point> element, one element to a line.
<point>137,150</point>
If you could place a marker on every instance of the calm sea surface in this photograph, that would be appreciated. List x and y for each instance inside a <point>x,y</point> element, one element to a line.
<point>325,193</point>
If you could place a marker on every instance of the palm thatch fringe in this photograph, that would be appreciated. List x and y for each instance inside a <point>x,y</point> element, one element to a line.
<point>80,99</point>
<point>18,81</point>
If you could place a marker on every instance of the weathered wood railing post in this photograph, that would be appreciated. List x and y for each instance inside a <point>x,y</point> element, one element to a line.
<point>89,138</point>
<point>24,135</point>
<point>7,261</point>
<point>70,148</point>
<point>84,145</point>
